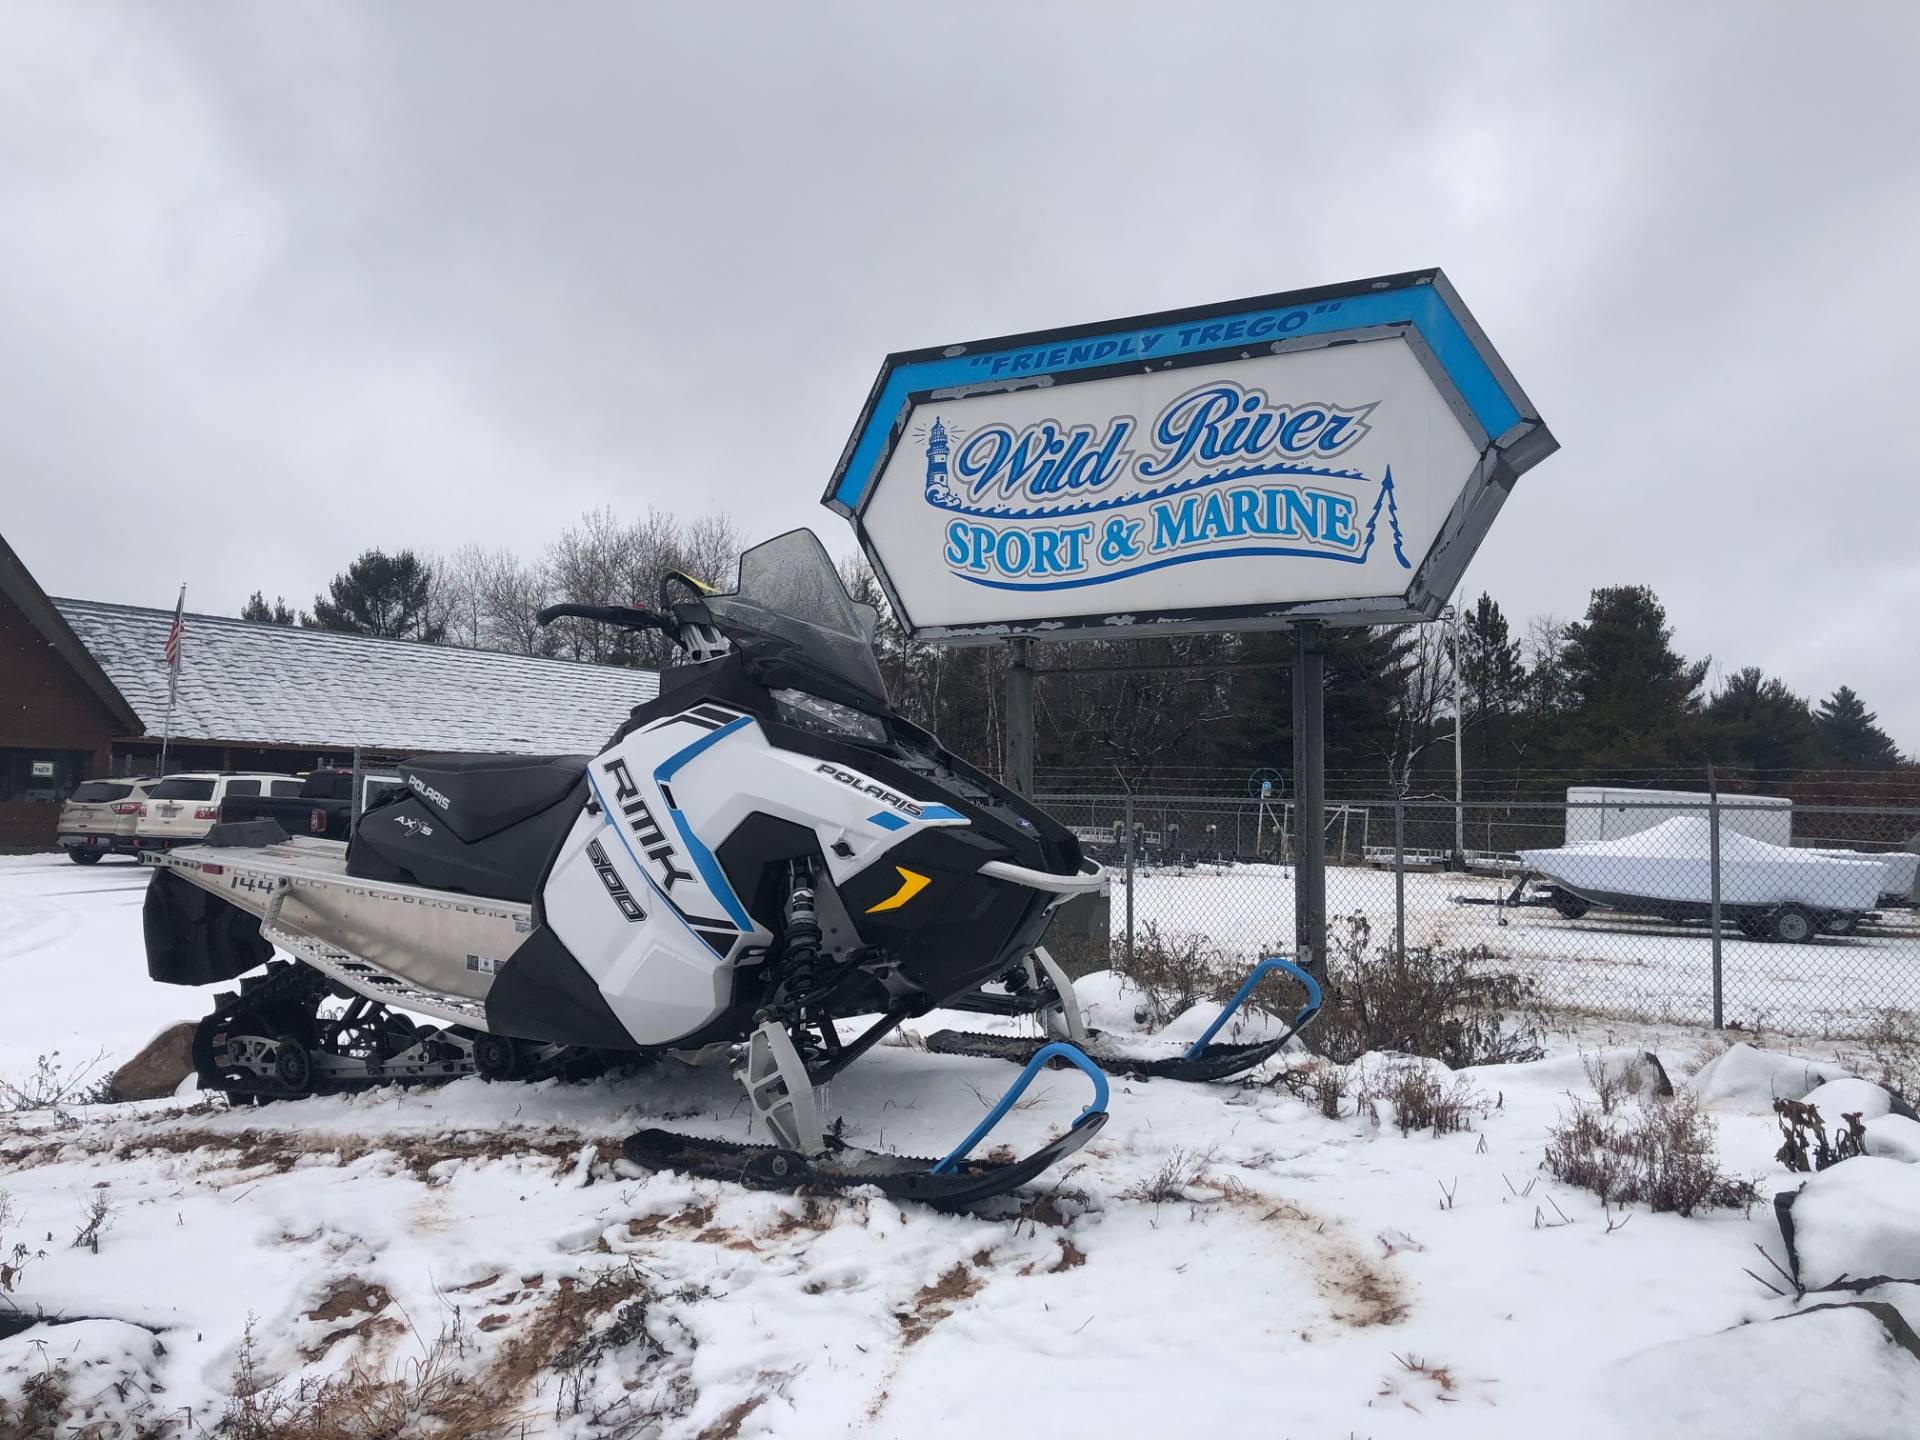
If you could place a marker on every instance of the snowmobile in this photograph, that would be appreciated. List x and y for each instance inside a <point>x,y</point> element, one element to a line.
<point>760,852</point>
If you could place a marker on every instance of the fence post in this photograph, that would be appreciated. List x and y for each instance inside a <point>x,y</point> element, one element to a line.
<point>1400,879</point>
<point>1713,885</point>
<point>1129,823</point>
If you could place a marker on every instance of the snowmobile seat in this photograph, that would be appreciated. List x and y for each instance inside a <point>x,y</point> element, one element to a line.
<point>481,795</point>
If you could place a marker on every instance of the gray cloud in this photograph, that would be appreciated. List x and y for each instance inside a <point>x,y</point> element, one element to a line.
<point>282,281</point>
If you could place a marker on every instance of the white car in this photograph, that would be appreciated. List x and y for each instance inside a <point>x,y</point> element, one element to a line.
<point>180,809</point>
<point>99,817</point>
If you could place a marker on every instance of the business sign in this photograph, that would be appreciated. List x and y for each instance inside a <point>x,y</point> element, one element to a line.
<point>1331,454</point>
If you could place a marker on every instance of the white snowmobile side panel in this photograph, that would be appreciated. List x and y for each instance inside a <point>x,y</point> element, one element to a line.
<point>661,977</point>
<point>638,895</point>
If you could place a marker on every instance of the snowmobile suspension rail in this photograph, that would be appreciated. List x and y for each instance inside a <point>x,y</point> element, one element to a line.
<point>1058,1050</point>
<point>1264,968</point>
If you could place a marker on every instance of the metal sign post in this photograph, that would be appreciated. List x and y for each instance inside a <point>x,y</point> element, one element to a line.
<point>1310,788</point>
<point>1020,719</point>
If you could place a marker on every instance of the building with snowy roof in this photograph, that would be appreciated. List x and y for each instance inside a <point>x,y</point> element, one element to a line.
<point>255,695</point>
<point>83,693</point>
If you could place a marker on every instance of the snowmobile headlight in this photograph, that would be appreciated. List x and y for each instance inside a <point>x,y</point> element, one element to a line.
<point>825,717</point>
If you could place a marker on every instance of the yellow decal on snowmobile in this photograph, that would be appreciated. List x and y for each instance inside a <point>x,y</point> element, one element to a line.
<point>912,882</point>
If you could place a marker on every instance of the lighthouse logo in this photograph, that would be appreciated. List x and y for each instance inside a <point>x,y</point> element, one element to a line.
<point>939,491</point>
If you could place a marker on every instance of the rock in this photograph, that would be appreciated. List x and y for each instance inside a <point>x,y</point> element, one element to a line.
<point>1854,1220</point>
<point>1894,1137</point>
<point>1833,1371</point>
<point>1848,1096</point>
<point>1748,1079</point>
<point>156,1072</point>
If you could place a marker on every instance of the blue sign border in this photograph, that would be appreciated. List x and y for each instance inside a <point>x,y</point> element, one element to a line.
<point>1420,305</point>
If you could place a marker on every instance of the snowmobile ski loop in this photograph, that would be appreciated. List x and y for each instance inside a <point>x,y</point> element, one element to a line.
<point>1203,1060</point>
<point>1260,971</point>
<point>1057,1050</point>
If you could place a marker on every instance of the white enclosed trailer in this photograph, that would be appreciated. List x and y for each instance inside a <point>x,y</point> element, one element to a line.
<point>1613,812</point>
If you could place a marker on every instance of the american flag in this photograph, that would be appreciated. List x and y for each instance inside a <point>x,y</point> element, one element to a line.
<point>178,630</point>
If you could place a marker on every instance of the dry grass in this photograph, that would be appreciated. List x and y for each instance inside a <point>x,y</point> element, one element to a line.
<point>1888,1054</point>
<point>53,1085</point>
<point>1174,1180</point>
<point>1453,1006</point>
<point>1422,1101</point>
<point>427,1396</point>
<point>1661,1154</point>
<point>43,1409</point>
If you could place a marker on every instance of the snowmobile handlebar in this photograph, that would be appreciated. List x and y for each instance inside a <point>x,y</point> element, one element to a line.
<point>627,617</point>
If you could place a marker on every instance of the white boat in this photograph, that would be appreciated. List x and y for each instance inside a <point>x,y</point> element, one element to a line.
<point>1767,890</point>
<point>1901,867</point>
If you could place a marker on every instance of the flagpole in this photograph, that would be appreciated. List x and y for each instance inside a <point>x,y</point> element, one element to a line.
<point>174,647</point>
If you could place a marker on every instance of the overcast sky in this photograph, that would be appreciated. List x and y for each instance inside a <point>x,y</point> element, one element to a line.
<point>279,282</point>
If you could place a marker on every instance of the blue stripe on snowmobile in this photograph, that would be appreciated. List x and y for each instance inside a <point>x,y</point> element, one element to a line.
<point>702,857</point>
<point>890,820</point>
<point>1058,1050</point>
<point>620,834</point>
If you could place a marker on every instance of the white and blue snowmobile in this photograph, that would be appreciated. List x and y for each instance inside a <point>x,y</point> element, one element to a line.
<point>759,853</point>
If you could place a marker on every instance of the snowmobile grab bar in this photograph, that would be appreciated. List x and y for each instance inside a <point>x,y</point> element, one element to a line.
<point>1058,1050</point>
<point>1083,883</point>
<point>1260,971</point>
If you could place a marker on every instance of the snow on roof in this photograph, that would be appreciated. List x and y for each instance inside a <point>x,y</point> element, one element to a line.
<point>252,682</point>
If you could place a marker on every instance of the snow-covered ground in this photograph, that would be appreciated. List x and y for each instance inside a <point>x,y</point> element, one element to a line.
<point>1221,1259</point>
<point>1630,966</point>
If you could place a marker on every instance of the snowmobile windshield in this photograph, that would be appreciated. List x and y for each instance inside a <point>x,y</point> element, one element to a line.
<point>790,606</point>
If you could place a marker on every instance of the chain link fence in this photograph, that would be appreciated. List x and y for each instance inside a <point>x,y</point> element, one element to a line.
<point>1795,918</point>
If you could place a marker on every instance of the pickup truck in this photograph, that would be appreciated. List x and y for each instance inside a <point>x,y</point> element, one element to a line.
<point>324,806</point>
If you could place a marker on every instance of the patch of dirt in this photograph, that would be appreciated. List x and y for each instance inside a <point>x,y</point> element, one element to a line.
<point>936,1302</point>
<point>678,1222</point>
<point>1072,1257</point>
<point>282,1150</point>
<point>1360,1291</point>
<point>727,1427</point>
<point>351,1297</point>
<point>563,1321</point>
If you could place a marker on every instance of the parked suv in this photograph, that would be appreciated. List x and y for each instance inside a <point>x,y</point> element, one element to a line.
<point>99,817</point>
<point>180,809</point>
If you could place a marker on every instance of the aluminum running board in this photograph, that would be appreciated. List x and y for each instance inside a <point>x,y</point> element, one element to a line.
<point>365,979</point>
<point>439,949</point>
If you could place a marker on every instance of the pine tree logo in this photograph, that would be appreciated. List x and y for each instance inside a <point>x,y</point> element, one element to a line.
<point>1386,501</point>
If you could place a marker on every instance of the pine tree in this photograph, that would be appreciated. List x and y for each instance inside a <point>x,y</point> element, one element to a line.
<point>1491,674</point>
<point>278,613</point>
<point>379,594</point>
<point>1760,724</point>
<point>1636,700</point>
<point>1850,734</point>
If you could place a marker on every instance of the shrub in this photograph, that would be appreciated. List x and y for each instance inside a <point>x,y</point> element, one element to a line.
<point>1661,1154</point>
<point>1805,1148</point>
<point>1453,1006</point>
<point>1174,972</point>
<point>1889,1053</point>
<point>1421,1101</point>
